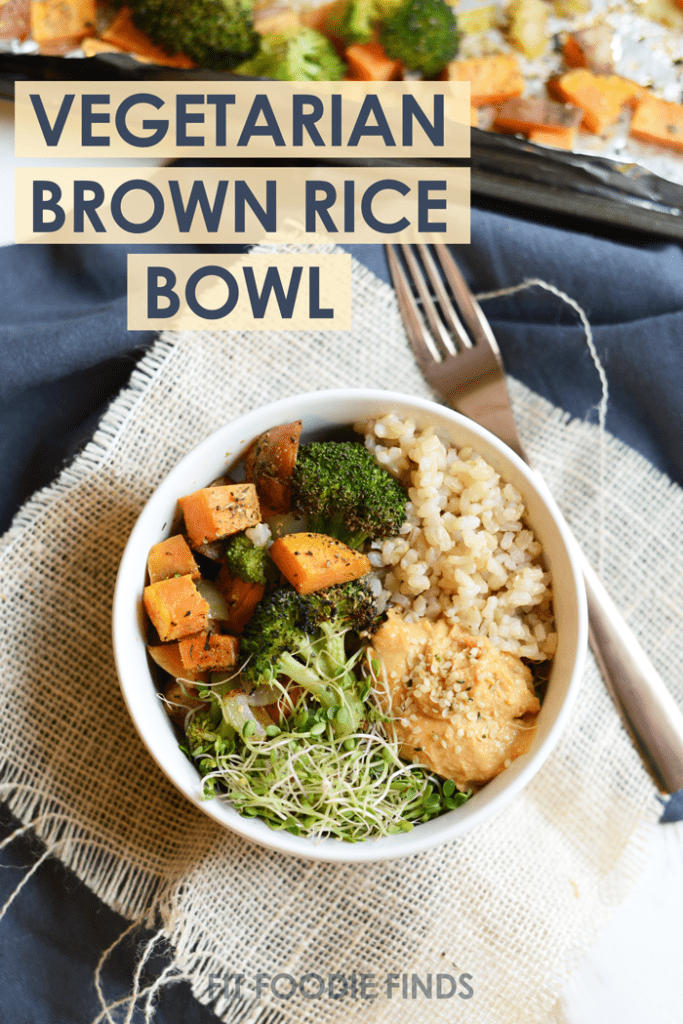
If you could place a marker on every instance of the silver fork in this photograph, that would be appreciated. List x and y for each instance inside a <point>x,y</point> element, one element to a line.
<point>459,357</point>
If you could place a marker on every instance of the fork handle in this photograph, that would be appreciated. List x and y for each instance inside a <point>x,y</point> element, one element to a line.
<point>649,711</point>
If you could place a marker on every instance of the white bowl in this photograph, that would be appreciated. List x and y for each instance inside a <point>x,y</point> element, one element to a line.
<point>319,411</point>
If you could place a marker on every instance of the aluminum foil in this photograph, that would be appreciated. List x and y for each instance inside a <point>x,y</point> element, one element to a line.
<point>643,50</point>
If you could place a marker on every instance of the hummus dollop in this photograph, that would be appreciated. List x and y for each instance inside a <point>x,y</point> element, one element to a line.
<point>460,706</point>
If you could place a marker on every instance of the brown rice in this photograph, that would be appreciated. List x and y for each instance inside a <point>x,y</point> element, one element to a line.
<point>466,551</point>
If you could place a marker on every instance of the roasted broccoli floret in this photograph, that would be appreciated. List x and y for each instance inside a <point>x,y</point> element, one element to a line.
<point>345,493</point>
<point>207,727</point>
<point>354,21</point>
<point>213,730</point>
<point>245,560</point>
<point>422,34</point>
<point>297,55</point>
<point>215,33</point>
<point>302,638</point>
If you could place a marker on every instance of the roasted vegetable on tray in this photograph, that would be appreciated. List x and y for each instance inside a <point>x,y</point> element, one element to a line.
<point>213,33</point>
<point>566,52</point>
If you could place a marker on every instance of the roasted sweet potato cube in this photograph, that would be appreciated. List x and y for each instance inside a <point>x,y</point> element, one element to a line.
<point>167,657</point>
<point>314,561</point>
<point>216,512</point>
<point>624,90</point>
<point>211,652</point>
<point>528,115</point>
<point>269,463</point>
<point>15,19</point>
<point>171,557</point>
<point>176,608</point>
<point>658,121</point>
<point>557,140</point>
<point>62,19</point>
<point>241,597</point>
<point>492,79</point>
<point>599,97</point>
<point>367,62</point>
<point>59,47</point>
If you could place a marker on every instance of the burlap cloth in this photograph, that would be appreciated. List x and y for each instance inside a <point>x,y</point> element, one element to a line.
<point>513,904</point>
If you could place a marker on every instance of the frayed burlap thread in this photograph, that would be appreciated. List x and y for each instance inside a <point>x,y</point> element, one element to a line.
<point>513,905</point>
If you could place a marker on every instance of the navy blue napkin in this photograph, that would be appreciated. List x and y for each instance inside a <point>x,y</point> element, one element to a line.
<point>65,350</point>
<point>64,354</point>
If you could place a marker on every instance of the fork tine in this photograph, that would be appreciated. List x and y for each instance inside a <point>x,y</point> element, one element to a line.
<point>471,380</point>
<point>430,311</point>
<point>449,313</point>
<point>419,335</point>
<point>468,305</point>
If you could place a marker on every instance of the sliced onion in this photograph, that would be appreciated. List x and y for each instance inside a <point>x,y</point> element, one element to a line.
<point>262,696</point>
<point>286,522</point>
<point>218,606</point>
<point>258,697</point>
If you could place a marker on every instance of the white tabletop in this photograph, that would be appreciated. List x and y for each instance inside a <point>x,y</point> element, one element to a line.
<point>633,973</point>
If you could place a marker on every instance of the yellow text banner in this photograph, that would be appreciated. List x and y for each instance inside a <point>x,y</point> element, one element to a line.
<point>427,120</point>
<point>260,292</point>
<point>250,205</point>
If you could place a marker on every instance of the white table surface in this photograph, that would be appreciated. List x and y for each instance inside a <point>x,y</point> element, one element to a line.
<point>634,973</point>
